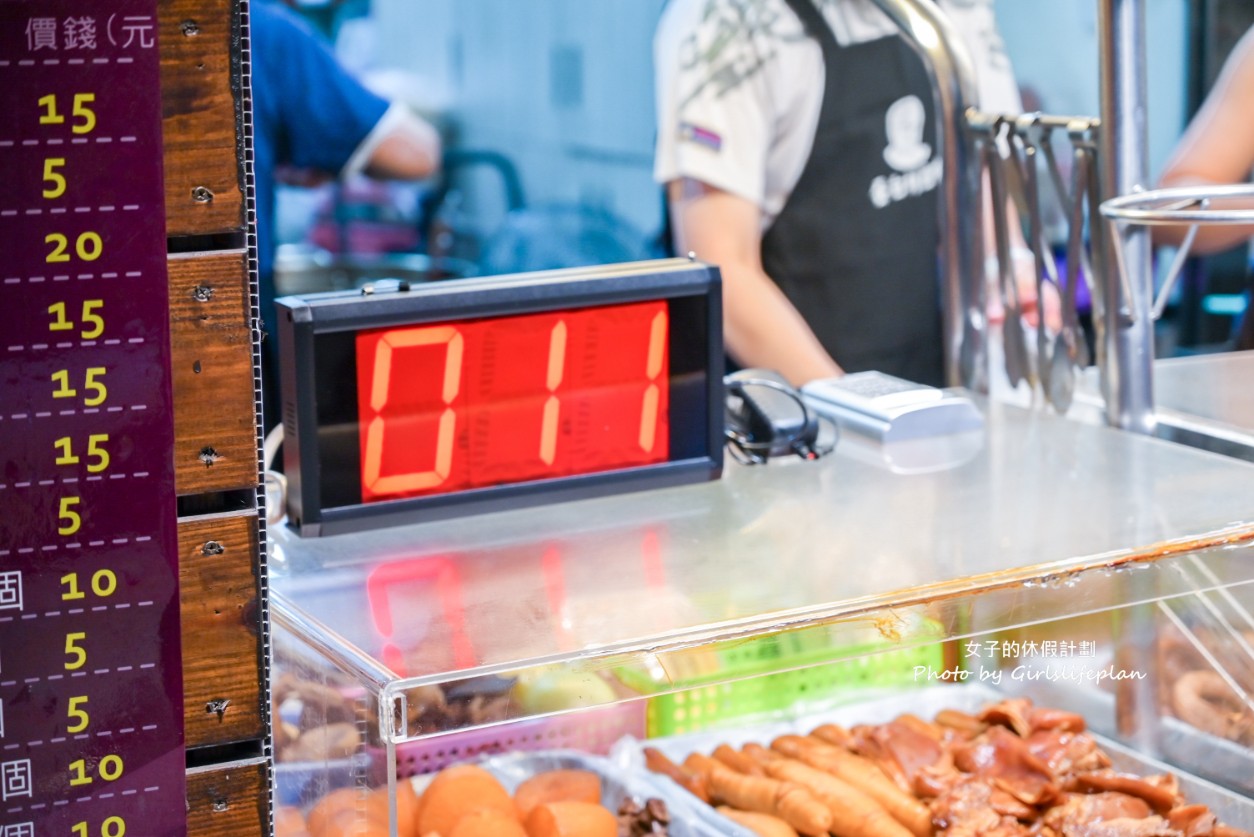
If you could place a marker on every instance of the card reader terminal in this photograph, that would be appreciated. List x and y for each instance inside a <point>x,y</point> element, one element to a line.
<point>888,409</point>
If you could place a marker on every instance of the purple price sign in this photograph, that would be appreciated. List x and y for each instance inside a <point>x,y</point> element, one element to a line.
<point>91,715</point>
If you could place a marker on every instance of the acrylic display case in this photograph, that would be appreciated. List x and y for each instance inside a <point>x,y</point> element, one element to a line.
<point>780,594</point>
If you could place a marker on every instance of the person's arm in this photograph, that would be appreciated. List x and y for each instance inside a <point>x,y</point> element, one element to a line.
<point>1218,148</point>
<point>329,121</point>
<point>761,328</point>
<point>401,146</point>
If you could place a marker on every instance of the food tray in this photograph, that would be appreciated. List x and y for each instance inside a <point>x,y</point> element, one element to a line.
<point>1231,808</point>
<point>589,731</point>
<point>708,700</point>
<point>1182,744</point>
<point>689,817</point>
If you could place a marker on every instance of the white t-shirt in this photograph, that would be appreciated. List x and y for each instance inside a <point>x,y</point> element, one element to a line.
<point>740,87</point>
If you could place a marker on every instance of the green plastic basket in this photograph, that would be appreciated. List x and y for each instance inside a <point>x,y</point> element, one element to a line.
<point>746,681</point>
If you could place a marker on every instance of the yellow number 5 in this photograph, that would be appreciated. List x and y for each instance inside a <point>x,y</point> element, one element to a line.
<point>83,112</point>
<point>71,520</point>
<point>73,709</point>
<point>53,177</point>
<point>73,649</point>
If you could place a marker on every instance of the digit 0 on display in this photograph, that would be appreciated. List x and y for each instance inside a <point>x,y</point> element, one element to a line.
<point>493,393</point>
<point>91,712</point>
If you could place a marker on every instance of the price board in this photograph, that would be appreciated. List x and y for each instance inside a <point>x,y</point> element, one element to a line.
<point>91,738</point>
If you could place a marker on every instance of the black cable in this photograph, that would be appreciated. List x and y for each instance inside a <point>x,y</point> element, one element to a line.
<point>749,452</point>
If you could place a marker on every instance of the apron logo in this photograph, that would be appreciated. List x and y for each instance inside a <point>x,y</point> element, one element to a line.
<point>917,173</point>
<point>904,123</point>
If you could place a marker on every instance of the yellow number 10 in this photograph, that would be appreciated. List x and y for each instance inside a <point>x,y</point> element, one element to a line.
<point>110,768</point>
<point>111,827</point>
<point>103,583</point>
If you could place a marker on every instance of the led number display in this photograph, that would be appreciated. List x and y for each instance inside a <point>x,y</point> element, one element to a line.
<point>465,405</point>
<point>494,393</point>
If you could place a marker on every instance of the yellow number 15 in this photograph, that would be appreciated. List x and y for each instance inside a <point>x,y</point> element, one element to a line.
<point>85,117</point>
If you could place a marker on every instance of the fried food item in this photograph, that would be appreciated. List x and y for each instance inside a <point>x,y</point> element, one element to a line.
<point>862,774</point>
<point>288,822</point>
<point>360,802</point>
<point>786,800</point>
<point>691,781</point>
<point>347,822</point>
<point>457,792</point>
<point>763,825</point>
<point>557,786</point>
<point>571,819</point>
<point>853,814</point>
<point>1205,700</point>
<point>488,823</point>
<point>738,761</point>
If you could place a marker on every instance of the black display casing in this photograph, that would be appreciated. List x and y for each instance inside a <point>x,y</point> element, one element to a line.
<point>316,500</point>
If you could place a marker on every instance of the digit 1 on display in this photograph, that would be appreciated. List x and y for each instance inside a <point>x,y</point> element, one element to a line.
<point>553,380</point>
<point>652,394</point>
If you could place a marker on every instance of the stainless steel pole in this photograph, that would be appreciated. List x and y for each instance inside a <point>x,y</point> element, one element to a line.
<point>1126,341</point>
<point>953,82</point>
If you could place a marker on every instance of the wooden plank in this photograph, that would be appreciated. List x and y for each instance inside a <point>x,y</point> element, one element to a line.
<point>230,800</point>
<point>211,360</point>
<point>222,668</point>
<point>204,183</point>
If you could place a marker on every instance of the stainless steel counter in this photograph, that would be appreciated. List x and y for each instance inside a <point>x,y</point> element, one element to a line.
<point>1205,401</point>
<point>1217,387</point>
<point>792,544</point>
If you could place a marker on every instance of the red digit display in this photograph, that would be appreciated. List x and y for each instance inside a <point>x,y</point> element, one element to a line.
<point>450,406</point>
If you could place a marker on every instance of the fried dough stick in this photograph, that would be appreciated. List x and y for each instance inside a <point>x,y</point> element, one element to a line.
<point>861,773</point>
<point>854,814</point>
<point>786,800</point>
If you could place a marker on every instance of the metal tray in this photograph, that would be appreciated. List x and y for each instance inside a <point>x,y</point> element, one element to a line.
<point>1231,808</point>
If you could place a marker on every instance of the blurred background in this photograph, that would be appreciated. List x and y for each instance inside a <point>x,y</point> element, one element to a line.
<point>546,110</point>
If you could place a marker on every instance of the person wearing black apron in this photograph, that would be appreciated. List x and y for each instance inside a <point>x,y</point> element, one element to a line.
<point>855,246</point>
<point>820,205</point>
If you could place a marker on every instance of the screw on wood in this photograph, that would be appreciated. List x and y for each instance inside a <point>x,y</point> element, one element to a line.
<point>221,805</point>
<point>202,194</point>
<point>209,456</point>
<point>217,706</point>
<point>202,293</point>
<point>212,548</point>
<point>190,28</point>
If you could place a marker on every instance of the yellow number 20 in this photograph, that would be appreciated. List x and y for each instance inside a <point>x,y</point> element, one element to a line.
<point>87,247</point>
